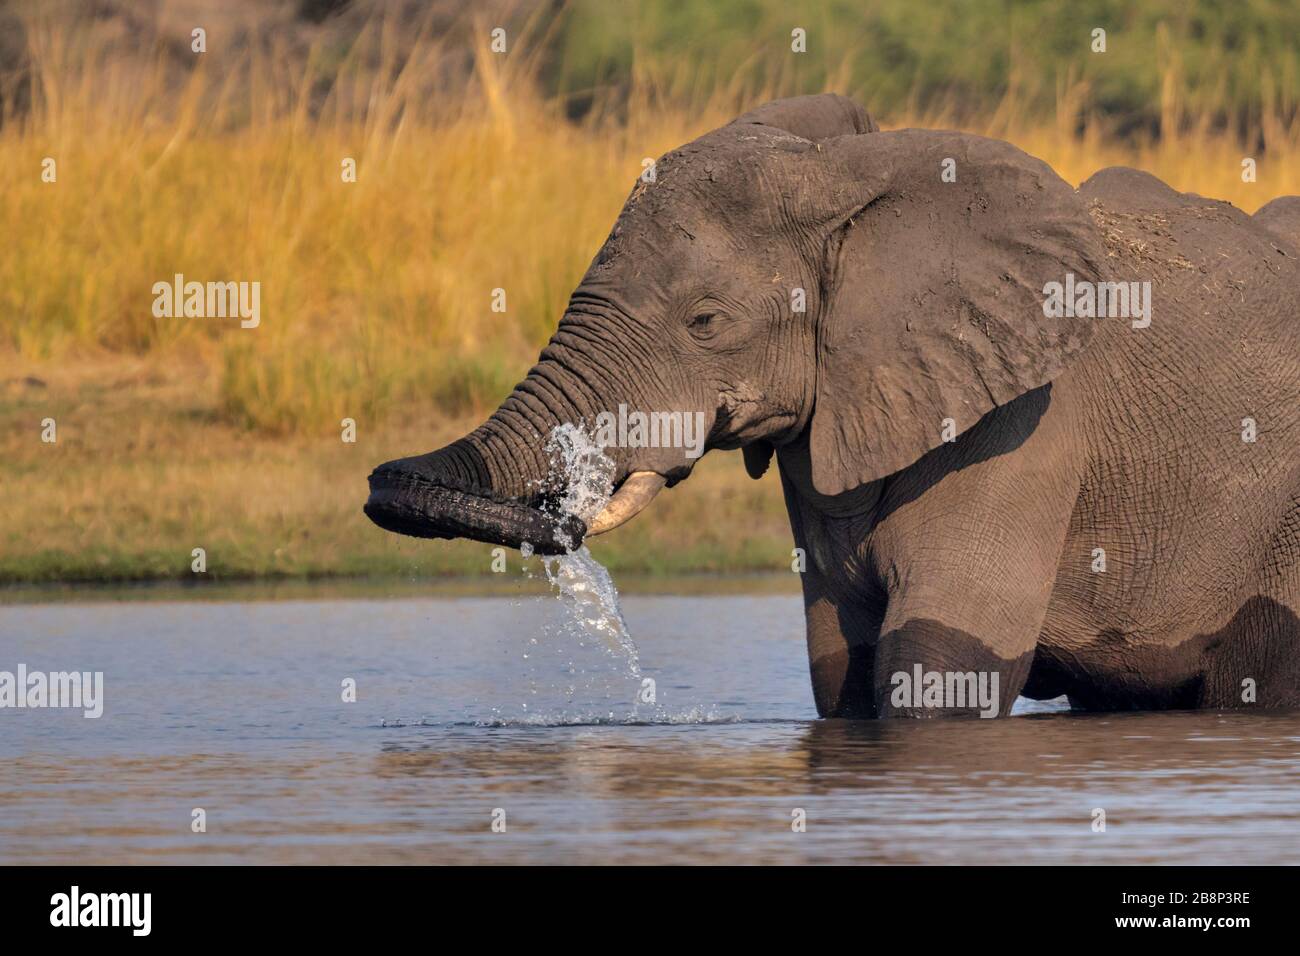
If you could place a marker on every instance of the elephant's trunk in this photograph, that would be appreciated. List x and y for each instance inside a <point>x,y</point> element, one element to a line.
<point>499,484</point>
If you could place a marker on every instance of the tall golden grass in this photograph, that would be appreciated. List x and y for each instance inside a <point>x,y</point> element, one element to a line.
<point>373,292</point>
<point>377,294</point>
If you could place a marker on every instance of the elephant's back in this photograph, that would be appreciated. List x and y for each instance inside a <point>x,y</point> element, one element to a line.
<point>1215,272</point>
<point>1222,331</point>
<point>1282,218</point>
<point>1192,433</point>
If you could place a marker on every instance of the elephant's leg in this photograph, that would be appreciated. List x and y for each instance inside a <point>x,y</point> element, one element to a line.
<point>841,650</point>
<point>925,667</point>
<point>1253,661</point>
<point>968,569</point>
<point>842,621</point>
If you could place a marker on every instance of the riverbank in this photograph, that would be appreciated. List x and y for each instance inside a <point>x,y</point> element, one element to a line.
<point>144,470</point>
<point>525,581</point>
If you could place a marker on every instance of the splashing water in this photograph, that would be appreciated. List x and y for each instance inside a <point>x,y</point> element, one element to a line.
<point>587,471</point>
<point>583,583</point>
<point>570,682</point>
<point>592,601</point>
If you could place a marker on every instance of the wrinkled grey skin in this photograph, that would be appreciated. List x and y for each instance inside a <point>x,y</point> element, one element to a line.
<point>924,309</point>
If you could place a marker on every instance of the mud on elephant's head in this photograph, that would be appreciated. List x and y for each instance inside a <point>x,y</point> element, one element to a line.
<point>796,274</point>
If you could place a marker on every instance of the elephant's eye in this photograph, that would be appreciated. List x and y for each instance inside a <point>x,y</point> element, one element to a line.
<point>703,324</point>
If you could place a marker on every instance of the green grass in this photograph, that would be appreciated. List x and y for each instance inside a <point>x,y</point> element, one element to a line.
<point>1235,66</point>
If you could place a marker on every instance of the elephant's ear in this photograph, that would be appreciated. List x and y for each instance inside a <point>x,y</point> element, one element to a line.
<point>938,251</point>
<point>816,117</point>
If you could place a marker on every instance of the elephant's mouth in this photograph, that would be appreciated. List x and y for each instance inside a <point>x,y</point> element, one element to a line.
<point>414,505</point>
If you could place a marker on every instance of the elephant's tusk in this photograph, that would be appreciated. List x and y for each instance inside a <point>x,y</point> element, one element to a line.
<point>636,492</point>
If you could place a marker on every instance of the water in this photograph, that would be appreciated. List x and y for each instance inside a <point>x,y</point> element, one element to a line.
<point>584,470</point>
<point>585,587</point>
<point>591,602</point>
<point>470,704</point>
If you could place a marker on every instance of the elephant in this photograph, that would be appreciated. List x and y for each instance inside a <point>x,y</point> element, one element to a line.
<point>1024,431</point>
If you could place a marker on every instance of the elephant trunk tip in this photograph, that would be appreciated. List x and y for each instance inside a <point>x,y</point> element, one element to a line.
<point>450,494</point>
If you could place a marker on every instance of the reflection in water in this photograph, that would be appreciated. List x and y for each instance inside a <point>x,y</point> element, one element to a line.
<point>1176,788</point>
<point>236,709</point>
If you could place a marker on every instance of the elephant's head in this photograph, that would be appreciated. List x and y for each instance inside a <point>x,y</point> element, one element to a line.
<point>796,272</point>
